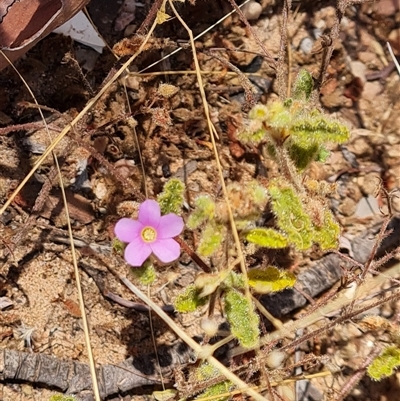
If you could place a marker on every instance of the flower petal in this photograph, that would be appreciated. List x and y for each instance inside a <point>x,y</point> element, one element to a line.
<point>127,230</point>
<point>137,252</point>
<point>167,250</point>
<point>150,213</point>
<point>170,226</point>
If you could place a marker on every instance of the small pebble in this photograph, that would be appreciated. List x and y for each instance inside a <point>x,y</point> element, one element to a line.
<point>27,390</point>
<point>262,83</point>
<point>369,184</point>
<point>306,45</point>
<point>100,190</point>
<point>317,32</point>
<point>367,207</point>
<point>358,69</point>
<point>354,192</point>
<point>360,147</point>
<point>348,207</point>
<point>252,10</point>
<point>372,90</point>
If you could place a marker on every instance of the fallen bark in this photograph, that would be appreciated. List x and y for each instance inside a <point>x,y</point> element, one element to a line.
<point>24,22</point>
<point>74,377</point>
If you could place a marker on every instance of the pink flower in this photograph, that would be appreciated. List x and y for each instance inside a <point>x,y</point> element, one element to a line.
<point>150,233</point>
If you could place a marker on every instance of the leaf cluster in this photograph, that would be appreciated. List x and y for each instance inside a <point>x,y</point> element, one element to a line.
<point>205,372</point>
<point>172,197</point>
<point>303,131</point>
<point>239,310</point>
<point>302,220</point>
<point>247,203</point>
<point>61,397</point>
<point>385,364</point>
<point>295,134</point>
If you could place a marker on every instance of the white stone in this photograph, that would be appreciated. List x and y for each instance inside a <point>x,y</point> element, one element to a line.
<point>252,10</point>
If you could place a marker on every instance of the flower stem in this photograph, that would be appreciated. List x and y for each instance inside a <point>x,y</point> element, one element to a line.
<point>193,255</point>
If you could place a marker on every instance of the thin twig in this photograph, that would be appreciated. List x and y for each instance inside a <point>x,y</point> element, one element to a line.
<point>280,71</point>
<point>195,38</point>
<point>329,45</point>
<point>396,63</point>
<point>358,375</point>
<point>141,308</point>
<point>150,17</point>
<point>193,255</point>
<point>242,17</point>
<point>248,87</point>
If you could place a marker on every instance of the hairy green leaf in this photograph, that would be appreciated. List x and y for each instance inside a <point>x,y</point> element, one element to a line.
<point>292,219</point>
<point>146,274</point>
<point>242,318</point>
<point>303,86</point>
<point>270,279</point>
<point>213,391</point>
<point>266,237</point>
<point>385,364</point>
<point>172,197</point>
<point>205,372</point>
<point>318,129</point>
<point>234,280</point>
<point>189,300</point>
<point>204,210</point>
<point>303,156</point>
<point>327,235</point>
<point>211,238</point>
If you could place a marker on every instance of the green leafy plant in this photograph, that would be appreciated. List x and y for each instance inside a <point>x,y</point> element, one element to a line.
<point>385,364</point>
<point>211,239</point>
<point>146,274</point>
<point>190,300</point>
<point>270,279</point>
<point>172,197</point>
<point>60,397</point>
<point>242,318</point>
<point>294,126</point>
<point>266,237</point>
<point>238,308</point>
<point>204,210</point>
<point>205,372</point>
<point>247,203</point>
<point>294,134</point>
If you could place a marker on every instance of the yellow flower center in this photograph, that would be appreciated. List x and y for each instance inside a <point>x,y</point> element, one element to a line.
<point>149,234</point>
